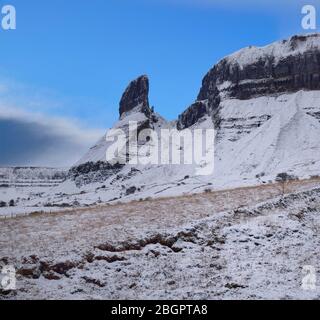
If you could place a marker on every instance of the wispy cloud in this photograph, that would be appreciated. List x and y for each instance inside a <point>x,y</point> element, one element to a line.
<point>38,140</point>
<point>31,135</point>
<point>28,97</point>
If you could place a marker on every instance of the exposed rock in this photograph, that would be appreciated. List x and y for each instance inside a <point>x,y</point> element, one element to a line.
<point>63,267</point>
<point>131,190</point>
<point>94,281</point>
<point>265,74</point>
<point>51,276</point>
<point>93,172</point>
<point>136,95</point>
<point>109,259</point>
<point>3,204</point>
<point>195,112</point>
<point>7,293</point>
<point>169,241</point>
<point>29,272</point>
<point>133,285</point>
<point>235,286</point>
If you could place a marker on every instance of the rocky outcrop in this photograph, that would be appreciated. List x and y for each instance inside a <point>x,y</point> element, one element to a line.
<point>91,172</point>
<point>191,116</point>
<point>265,76</point>
<point>92,169</point>
<point>136,96</point>
<point>283,67</point>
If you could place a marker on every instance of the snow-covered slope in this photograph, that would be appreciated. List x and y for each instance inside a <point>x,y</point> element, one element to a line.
<point>98,151</point>
<point>20,187</point>
<point>286,142</point>
<point>31,176</point>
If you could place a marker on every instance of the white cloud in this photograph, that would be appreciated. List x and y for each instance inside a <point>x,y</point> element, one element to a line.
<point>60,126</point>
<point>29,138</point>
<point>30,135</point>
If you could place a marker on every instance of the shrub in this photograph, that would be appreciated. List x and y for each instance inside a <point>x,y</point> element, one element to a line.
<point>131,190</point>
<point>284,178</point>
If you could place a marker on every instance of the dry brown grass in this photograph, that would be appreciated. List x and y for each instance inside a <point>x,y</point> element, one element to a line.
<point>81,229</point>
<point>247,195</point>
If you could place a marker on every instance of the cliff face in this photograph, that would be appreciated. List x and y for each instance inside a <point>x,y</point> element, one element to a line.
<point>195,112</point>
<point>136,96</point>
<point>283,67</point>
<point>267,74</point>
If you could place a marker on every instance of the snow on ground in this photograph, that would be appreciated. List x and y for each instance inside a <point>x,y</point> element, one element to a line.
<point>242,243</point>
<point>14,212</point>
<point>26,201</point>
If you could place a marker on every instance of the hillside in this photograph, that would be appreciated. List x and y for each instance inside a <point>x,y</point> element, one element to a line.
<point>247,243</point>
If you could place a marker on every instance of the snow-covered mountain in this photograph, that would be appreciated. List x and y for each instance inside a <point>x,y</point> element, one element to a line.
<point>264,104</point>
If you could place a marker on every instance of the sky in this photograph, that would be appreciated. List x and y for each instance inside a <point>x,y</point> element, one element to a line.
<point>65,67</point>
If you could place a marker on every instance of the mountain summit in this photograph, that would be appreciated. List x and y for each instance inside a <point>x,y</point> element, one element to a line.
<point>136,97</point>
<point>285,66</point>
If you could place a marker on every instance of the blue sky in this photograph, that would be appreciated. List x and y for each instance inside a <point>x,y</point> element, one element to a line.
<point>71,60</point>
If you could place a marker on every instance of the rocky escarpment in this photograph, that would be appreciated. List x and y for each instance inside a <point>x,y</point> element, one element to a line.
<point>283,67</point>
